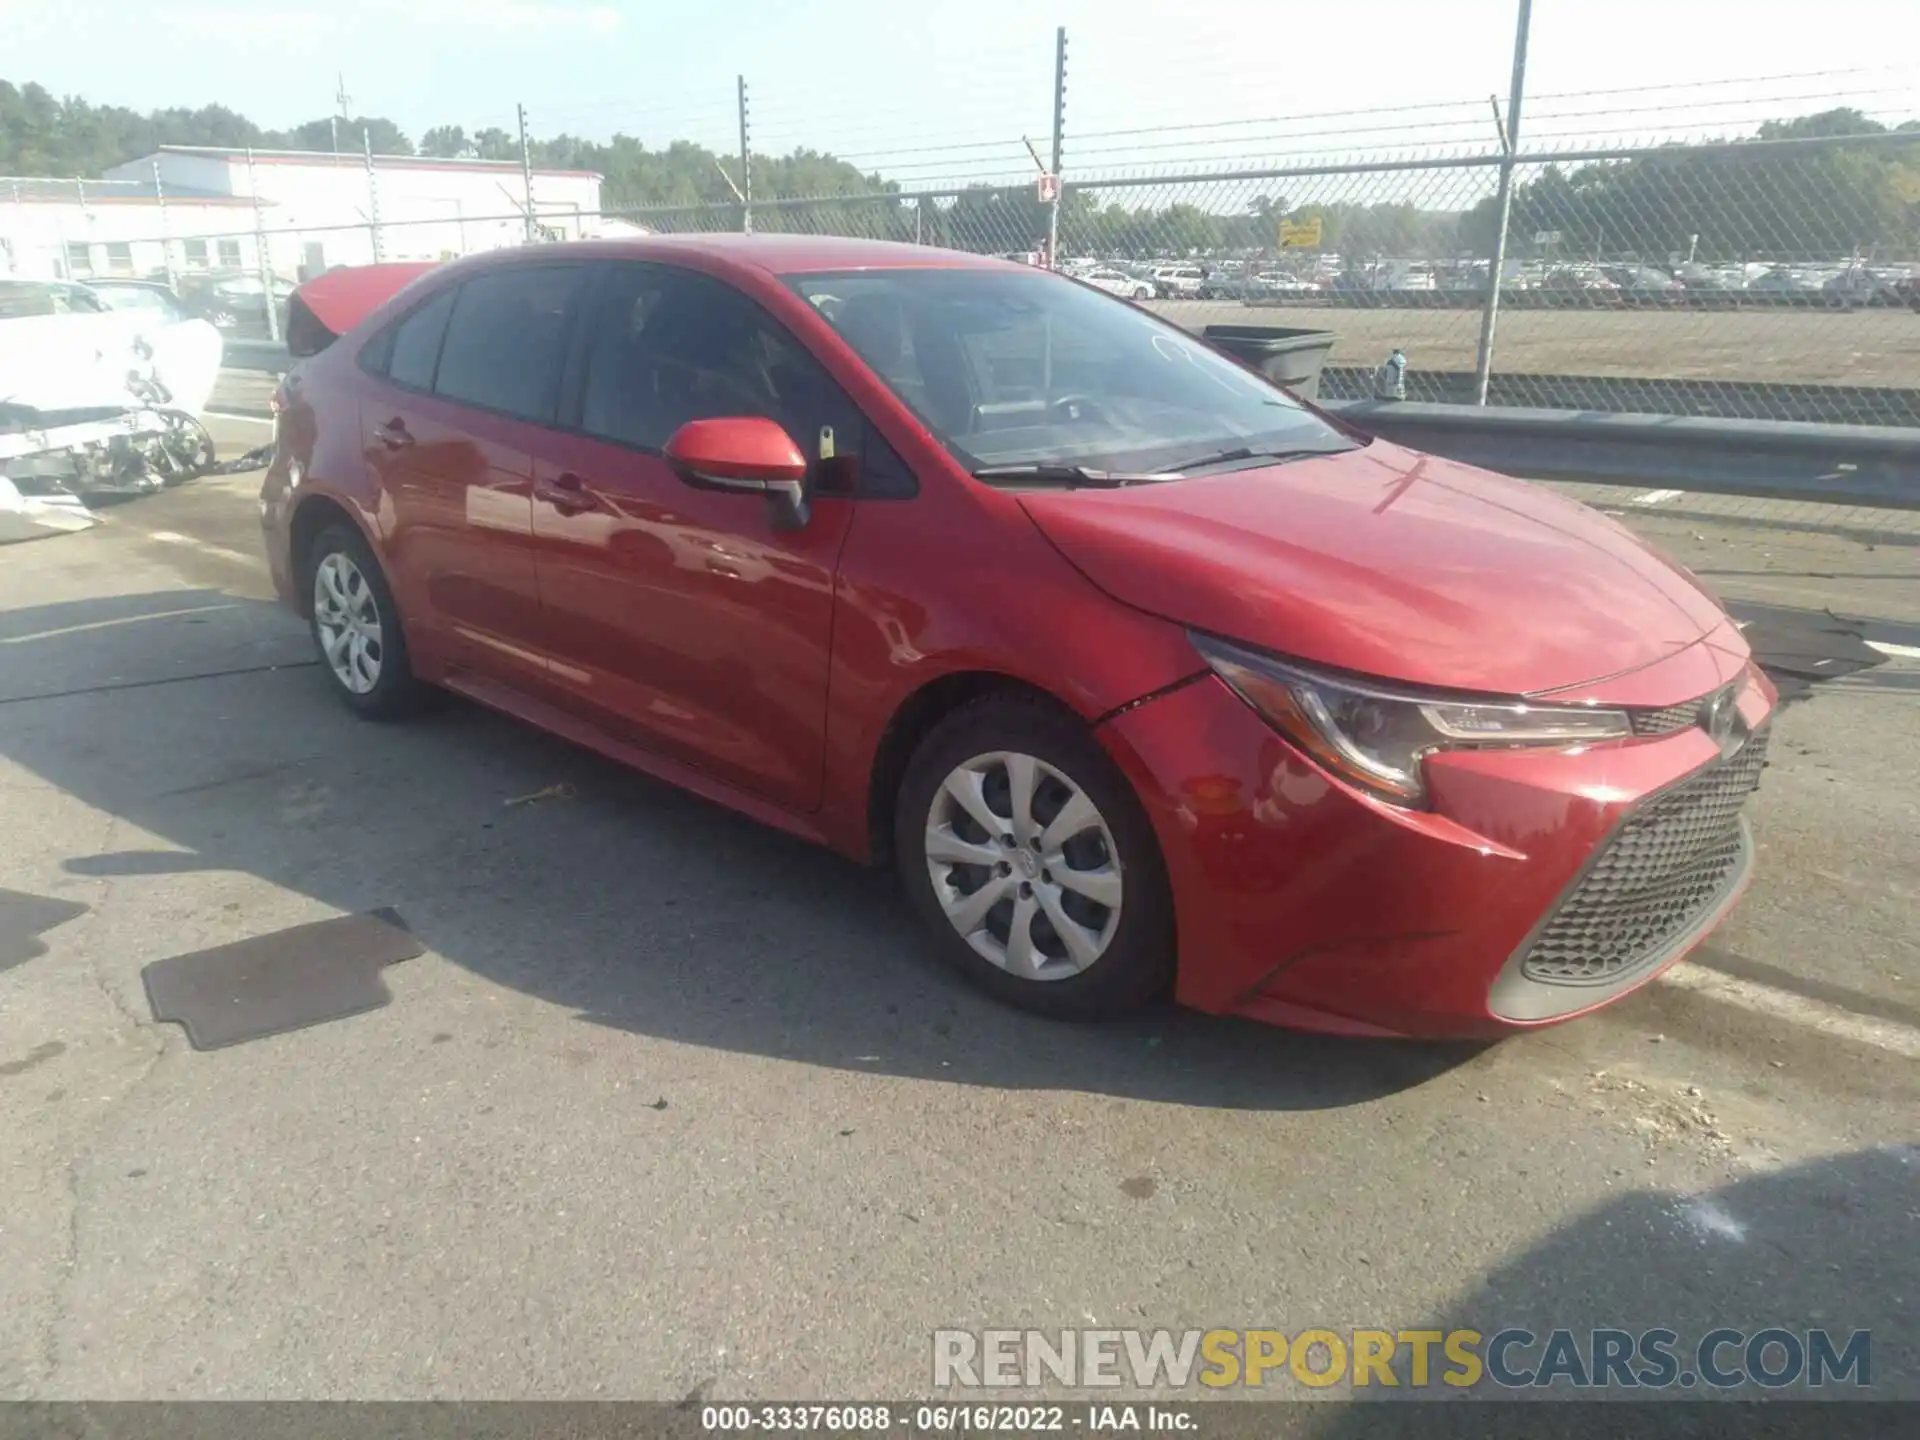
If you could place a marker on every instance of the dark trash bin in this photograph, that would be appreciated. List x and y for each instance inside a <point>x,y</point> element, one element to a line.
<point>1288,357</point>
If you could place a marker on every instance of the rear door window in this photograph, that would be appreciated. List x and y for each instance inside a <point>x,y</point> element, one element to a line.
<point>506,340</point>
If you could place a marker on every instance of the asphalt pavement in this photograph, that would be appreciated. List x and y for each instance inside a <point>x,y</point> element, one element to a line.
<point>677,1106</point>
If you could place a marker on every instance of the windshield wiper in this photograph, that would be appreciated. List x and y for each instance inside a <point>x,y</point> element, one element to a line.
<point>1047,471</point>
<point>1244,452</point>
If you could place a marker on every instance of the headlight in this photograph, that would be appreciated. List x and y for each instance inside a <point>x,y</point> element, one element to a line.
<point>1375,736</point>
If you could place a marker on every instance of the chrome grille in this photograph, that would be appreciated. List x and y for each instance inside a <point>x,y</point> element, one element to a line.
<point>1660,872</point>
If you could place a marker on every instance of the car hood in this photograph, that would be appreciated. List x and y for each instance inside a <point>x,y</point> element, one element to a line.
<point>1390,563</point>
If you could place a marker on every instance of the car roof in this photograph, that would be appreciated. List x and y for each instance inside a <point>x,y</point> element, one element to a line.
<point>776,254</point>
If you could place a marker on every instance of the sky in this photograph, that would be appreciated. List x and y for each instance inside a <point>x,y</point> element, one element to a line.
<point>944,90</point>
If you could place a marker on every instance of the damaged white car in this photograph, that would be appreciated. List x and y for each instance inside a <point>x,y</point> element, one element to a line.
<point>101,391</point>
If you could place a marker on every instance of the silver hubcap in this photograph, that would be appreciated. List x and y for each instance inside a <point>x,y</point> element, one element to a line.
<point>347,619</point>
<point>1024,865</point>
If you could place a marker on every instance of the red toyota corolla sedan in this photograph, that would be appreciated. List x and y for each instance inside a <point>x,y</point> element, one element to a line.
<point>1142,673</point>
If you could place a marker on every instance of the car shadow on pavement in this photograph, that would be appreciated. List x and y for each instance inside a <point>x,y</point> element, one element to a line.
<point>541,867</point>
<point>1827,1245</point>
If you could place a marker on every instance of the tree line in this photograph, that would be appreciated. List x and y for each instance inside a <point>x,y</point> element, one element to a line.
<point>1720,202</point>
<point>43,135</point>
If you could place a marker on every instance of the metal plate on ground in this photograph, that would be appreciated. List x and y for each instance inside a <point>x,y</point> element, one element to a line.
<point>284,981</point>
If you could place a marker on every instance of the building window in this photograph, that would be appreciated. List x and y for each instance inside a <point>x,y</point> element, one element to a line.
<point>79,258</point>
<point>230,254</point>
<point>196,254</point>
<point>119,257</point>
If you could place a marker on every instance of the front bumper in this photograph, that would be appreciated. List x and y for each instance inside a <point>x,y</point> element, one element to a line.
<point>1303,902</point>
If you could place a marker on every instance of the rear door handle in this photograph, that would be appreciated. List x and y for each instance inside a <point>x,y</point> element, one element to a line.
<point>565,492</point>
<point>393,434</point>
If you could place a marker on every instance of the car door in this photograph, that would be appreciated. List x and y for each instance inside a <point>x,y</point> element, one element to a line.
<point>468,377</point>
<point>681,619</point>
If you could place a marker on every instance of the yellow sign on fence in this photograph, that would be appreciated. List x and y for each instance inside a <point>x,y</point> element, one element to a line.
<point>1300,234</point>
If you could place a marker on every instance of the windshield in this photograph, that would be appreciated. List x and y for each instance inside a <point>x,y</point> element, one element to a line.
<point>1011,369</point>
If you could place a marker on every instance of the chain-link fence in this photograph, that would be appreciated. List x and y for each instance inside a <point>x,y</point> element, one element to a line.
<point>1767,279</point>
<point>1775,276</point>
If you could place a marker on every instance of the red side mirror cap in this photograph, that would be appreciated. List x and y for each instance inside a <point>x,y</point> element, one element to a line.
<point>742,452</point>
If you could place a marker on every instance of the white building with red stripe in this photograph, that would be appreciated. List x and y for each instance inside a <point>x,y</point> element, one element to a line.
<point>187,208</point>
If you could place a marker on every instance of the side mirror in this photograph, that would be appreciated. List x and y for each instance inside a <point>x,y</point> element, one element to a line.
<point>744,455</point>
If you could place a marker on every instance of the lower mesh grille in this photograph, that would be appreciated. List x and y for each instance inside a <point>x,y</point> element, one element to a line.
<point>1662,870</point>
<point>1665,722</point>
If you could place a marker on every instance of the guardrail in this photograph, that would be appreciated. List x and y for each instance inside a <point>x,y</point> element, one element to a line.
<point>1833,464</point>
<point>1875,465</point>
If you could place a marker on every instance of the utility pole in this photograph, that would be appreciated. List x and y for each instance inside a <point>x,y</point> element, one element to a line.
<point>1509,147</point>
<point>260,251</point>
<point>1059,139</point>
<point>373,193</point>
<point>166,230</point>
<point>342,100</point>
<point>746,163</point>
<point>526,169</point>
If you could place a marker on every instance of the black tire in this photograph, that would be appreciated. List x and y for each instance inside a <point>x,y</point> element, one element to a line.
<point>1137,965</point>
<point>396,693</point>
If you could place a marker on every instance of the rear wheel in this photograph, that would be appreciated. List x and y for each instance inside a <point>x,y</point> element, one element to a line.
<point>356,627</point>
<point>1026,851</point>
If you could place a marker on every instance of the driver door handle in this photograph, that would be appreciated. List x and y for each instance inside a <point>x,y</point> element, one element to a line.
<point>565,492</point>
<point>393,434</point>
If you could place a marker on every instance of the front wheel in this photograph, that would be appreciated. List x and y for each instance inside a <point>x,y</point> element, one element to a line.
<point>1026,851</point>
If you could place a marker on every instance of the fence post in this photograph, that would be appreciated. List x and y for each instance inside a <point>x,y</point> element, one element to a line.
<point>1510,144</point>
<point>166,230</point>
<point>86,220</point>
<point>1059,139</point>
<point>526,170</point>
<point>373,193</point>
<point>746,163</point>
<point>260,252</point>
<point>17,259</point>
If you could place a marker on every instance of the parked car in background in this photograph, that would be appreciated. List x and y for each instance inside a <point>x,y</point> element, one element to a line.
<point>1859,285</point>
<point>22,299</point>
<point>1118,282</point>
<point>1225,284</point>
<point>1278,284</point>
<point>1789,280</point>
<point>1709,278</point>
<point>149,297</point>
<point>1418,275</point>
<point>1586,280</point>
<point>1178,282</point>
<point>1142,675</point>
<point>235,302</point>
<point>1644,282</point>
